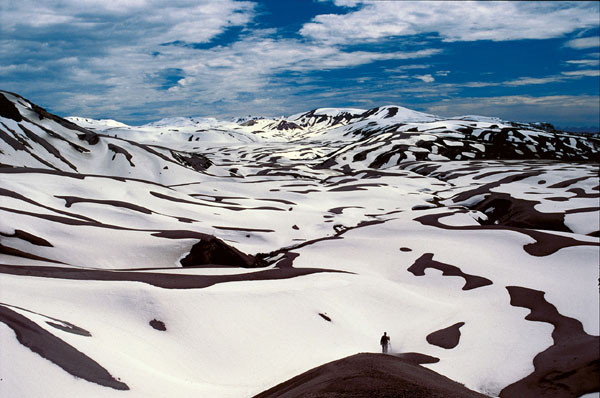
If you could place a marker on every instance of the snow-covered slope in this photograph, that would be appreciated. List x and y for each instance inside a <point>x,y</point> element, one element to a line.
<point>33,138</point>
<point>196,257</point>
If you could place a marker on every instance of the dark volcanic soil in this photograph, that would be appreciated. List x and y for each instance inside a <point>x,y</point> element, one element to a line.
<point>446,338</point>
<point>57,351</point>
<point>427,261</point>
<point>567,369</point>
<point>370,375</point>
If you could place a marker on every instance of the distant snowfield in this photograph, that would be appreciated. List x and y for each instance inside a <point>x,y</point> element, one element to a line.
<point>303,240</point>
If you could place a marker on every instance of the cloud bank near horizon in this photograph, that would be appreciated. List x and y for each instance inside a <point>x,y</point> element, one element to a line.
<point>141,60</point>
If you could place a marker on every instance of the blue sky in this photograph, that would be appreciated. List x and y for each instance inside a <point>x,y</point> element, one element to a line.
<point>142,60</point>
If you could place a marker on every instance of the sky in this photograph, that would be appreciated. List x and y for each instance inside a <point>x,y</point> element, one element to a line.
<point>138,61</point>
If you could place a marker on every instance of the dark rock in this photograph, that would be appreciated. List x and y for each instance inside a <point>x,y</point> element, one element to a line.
<point>285,125</point>
<point>214,251</point>
<point>117,149</point>
<point>328,319</point>
<point>196,161</point>
<point>446,338</point>
<point>9,110</point>
<point>158,325</point>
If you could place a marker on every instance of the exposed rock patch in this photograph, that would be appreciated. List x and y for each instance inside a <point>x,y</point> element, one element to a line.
<point>446,338</point>
<point>215,251</point>
<point>570,367</point>
<point>57,351</point>
<point>426,261</point>
<point>158,325</point>
<point>370,375</point>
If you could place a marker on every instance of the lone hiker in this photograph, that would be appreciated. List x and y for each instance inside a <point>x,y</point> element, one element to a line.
<point>385,341</point>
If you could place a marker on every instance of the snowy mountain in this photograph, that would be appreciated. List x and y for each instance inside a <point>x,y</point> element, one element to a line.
<point>198,257</point>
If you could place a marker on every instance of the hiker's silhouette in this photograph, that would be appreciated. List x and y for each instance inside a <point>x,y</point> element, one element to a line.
<point>384,341</point>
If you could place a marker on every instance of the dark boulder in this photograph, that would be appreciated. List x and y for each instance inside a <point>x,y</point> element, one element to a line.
<point>214,251</point>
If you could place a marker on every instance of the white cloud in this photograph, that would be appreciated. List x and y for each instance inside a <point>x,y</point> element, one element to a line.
<point>584,62</point>
<point>454,21</point>
<point>402,68</point>
<point>527,81</point>
<point>566,110</point>
<point>145,21</point>
<point>584,42</point>
<point>233,75</point>
<point>581,73</point>
<point>426,78</point>
<point>114,64</point>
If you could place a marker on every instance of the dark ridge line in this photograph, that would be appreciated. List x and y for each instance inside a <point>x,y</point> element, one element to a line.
<point>368,174</point>
<point>11,251</point>
<point>580,193</point>
<point>70,221</point>
<point>447,338</point>
<point>55,350</point>
<point>483,175</point>
<point>306,191</point>
<point>339,210</point>
<point>118,150</point>
<point>544,245</point>
<point>70,328</point>
<point>178,200</point>
<point>54,134</point>
<point>150,148</point>
<point>582,210</point>
<point>43,113</point>
<point>18,196</point>
<point>12,142</point>
<point>355,187</point>
<point>70,200</point>
<point>161,280</point>
<point>217,199</point>
<point>242,229</point>
<point>46,145</point>
<point>26,236</point>
<point>190,202</point>
<point>570,367</point>
<point>567,183</point>
<point>426,261</point>
<point>9,169</point>
<point>64,220</point>
<point>289,256</point>
<point>285,202</point>
<point>180,234</point>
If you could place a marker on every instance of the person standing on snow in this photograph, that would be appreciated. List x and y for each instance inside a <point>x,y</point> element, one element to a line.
<point>384,341</point>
